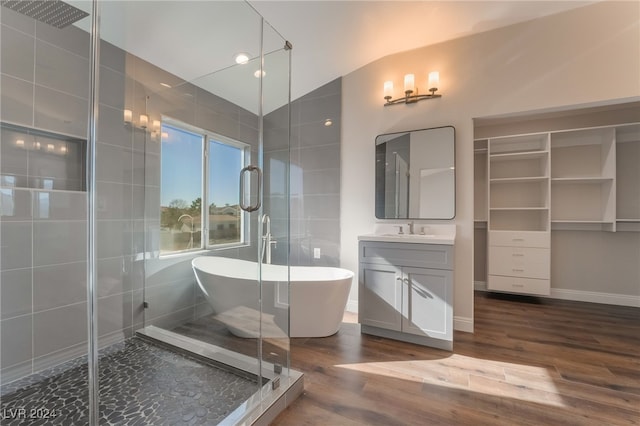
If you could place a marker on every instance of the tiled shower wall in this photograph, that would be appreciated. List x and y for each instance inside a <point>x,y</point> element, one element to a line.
<point>315,176</point>
<point>44,84</point>
<point>45,78</point>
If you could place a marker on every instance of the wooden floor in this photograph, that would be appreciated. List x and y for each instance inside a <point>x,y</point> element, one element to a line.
<point>529,362</point>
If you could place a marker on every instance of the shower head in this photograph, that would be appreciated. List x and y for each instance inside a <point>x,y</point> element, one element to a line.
<point>52,12</point>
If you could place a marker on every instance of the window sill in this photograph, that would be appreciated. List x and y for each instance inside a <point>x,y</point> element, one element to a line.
<point>205,251</point>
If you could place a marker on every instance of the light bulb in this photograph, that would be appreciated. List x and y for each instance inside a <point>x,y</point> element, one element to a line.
<point>409,83</point>
<point>388,89</point>
<point>434,80</point>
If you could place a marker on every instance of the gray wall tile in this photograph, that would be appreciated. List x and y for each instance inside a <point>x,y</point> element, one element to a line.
<point>113,238</point>
<point>16,340</point>
<point>60,112</point>
<point>152,202</point>
<point>59,242</point>
<point>58,329</point>
<point>114,313</point>
<point>113,201</point>
<point>113,88</point>
<point>112,57</point>
<point>16,245</point>
<point>115,164</point>
<point>59,285</point>
<point>152,170</point>
<point>59,356</point>
<point>137,309</point>
<point>16,97</point>
<point>112,128</point>
<point>168,298</point>
<point>70,38</point>
<point>15,204</point>
<point>57,205</point>
<point>112,277</point>
<point>18,21</point>
<point>168,270</point>
<point>138,168</point>
<point>16,57</point>
<point>62,70</point>
<point>317,157</point>
<point>15,292</point>
<point>316,133</point>
<point>173,319</point>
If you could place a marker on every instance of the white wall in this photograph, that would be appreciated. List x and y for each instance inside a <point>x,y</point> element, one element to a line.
<point>585,56</point>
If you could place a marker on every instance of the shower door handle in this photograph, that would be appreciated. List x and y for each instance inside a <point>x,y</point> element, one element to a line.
<point>250,169</point>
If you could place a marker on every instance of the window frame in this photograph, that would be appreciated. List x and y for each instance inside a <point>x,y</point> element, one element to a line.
<point>208,136</point>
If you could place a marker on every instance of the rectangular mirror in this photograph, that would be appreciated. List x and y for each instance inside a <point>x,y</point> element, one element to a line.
<point>415,174</point>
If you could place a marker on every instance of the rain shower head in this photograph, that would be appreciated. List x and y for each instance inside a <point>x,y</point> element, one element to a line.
<point>52,12</point>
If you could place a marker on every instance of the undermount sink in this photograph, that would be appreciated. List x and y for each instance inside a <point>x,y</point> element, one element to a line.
<point>410,235</point>
<point>444,238</point>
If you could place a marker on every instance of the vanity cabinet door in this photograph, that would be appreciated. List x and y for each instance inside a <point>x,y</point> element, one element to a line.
<point>380,296</point>
<point>427,302</point>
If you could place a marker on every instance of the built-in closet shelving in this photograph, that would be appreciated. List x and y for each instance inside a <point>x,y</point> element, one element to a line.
<point>628,177</point>
<point>480,183</point>
<point>519,219</point>
<point>527,185</point>
<point>583,177</point>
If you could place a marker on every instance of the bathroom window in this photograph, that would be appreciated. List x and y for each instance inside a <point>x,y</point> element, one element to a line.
<point>199,206</point>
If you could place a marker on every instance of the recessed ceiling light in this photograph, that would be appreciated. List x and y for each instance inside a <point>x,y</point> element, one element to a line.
<point>257,74</point>
<point>328,122</point>
<point>242,58</point>
<point>168,86</point>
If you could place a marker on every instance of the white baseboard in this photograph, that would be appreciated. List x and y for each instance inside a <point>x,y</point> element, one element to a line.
<point>582,296</point>
<point>352,306</point>
<point>463,324</point>
<point>596,297</point>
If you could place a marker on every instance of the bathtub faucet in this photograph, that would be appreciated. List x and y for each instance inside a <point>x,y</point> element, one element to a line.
<point>267,240</point>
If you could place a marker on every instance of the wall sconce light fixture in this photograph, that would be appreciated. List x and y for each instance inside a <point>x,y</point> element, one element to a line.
<point>411,94</point>
<point>144,121</point>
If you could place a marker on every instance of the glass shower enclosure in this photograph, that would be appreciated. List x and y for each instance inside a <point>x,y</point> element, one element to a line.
<point>144,234</point>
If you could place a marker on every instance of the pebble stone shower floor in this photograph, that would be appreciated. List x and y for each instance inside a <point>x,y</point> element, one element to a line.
<point>140,384</point>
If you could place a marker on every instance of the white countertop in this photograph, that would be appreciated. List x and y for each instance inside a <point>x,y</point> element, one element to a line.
<point>433,234</point>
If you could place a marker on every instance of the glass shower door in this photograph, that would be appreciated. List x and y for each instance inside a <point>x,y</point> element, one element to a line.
<point>188,117</point>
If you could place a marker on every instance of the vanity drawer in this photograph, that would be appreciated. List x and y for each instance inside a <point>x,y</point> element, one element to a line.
<point>520,262</point>
<point>520,239</point>
<point>435,256</point>
<point>519,285</point>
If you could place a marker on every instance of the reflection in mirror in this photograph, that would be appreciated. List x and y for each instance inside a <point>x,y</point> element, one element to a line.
<point>415,174</point>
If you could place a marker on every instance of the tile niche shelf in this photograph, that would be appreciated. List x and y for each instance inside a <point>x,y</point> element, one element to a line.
<point>39,159</point>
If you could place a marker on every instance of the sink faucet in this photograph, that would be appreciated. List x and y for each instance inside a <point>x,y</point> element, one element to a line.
<point>410,228</point>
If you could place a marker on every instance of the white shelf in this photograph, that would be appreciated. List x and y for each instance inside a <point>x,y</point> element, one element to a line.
<point>579,221</point>
<point>520,179</point>
<point>518,156</point>
<point>582,180</point>
<point>517,208</point>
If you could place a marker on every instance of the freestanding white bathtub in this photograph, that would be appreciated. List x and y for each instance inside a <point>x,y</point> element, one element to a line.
<point>317,296</point>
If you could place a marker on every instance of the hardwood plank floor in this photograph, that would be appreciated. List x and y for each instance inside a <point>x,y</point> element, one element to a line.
<point>530,362</point>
